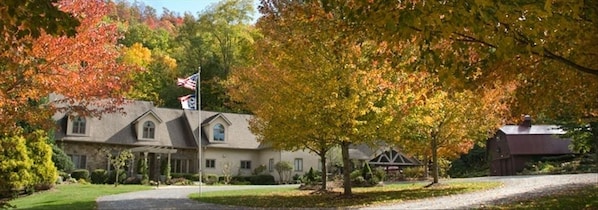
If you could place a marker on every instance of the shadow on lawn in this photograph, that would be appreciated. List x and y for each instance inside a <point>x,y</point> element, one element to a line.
<point>333,199</point>
<point>50,205</point>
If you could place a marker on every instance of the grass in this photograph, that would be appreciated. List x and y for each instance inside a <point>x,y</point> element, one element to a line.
<point>576,198</point>
<point>72,196</point>
<point>288,197</point>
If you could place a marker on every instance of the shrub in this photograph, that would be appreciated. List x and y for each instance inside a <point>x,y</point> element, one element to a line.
<point>122,175</point>
<point>240,180</point>
<point>413,172</point>
<point>262,179</point>
<point>61,160</point>
<point>260,169</point>
<point>179,181</point>
<point>380,173</point>
<point>143,169</point>
<point>64,175</point>
<point>355,174</point>
<point>188,176</point>
<point>99,176</point>
<point>82,181</point>
<point>132,180</point>
<point>80,174</point>
<point>165,169</point>
<point>210,178</point>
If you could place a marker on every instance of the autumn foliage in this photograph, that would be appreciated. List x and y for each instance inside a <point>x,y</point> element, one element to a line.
<point>83,68</point>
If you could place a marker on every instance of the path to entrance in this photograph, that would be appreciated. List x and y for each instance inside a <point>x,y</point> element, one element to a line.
<point>515,187</point>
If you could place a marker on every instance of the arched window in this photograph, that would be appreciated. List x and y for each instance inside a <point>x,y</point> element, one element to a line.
<point>218,132</point>
<point>78,125</point>
<point>148,130</point>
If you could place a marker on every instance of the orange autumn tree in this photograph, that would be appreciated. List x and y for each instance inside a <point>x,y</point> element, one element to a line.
<point>448,123</point>
<point>83,68</point>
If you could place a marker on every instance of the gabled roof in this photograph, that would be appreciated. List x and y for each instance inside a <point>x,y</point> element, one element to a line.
<point>118,128</point>
<point>533,140</point>
<point>211,119</point>
<point>239,135</point>
<point>394,158</point>
<point>177,128</point>
<point>149,112</point>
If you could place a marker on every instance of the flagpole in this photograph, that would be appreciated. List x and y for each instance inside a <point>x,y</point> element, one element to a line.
<point>198,107</point>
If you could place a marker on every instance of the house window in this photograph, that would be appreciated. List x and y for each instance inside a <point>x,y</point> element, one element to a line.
<point>245,164</point>
<point>79,161</point>
<point>218,132</point>
<point>298,164</point>
<point>271,164</point>
<point>149,130</point>
<point>210,163</point>
<point>179,166</point>
<point>78,125</point>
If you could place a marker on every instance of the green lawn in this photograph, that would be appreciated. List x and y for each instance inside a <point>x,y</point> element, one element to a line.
<point>578,198</point>
<point>72,196</point>
<point>288,197</point>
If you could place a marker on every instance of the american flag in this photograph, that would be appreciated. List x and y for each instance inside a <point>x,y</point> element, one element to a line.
<point>188,101</point>
<point>188,82</point>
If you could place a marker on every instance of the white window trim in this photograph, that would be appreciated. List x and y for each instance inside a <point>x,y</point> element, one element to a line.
<point>69,126</point>
<point>140,129</point>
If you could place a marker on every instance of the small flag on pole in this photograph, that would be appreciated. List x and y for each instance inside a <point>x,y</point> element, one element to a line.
<point>188,101</point>
<point>188,82</point>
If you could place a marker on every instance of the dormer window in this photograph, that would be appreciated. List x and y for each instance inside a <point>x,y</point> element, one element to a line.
<point>149,130</point>
<point>218,132</point>
<point>78,126</point>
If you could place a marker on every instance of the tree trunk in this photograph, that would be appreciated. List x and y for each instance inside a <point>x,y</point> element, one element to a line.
<point>346,168</point>
<point>594,130</point>
<point>324,170</point>
<point>435,160</point>
<point>426,167</point>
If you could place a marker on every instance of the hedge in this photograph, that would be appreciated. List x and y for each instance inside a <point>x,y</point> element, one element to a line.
<point>99,176</point>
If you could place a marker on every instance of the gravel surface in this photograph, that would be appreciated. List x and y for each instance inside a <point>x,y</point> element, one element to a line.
<point>514,188</point>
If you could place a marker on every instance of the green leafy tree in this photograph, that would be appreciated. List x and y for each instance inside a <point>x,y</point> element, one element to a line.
<point>584,136</point>
<point>226,38</point>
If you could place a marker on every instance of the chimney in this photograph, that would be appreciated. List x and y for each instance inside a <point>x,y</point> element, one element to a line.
<point>527,121</point>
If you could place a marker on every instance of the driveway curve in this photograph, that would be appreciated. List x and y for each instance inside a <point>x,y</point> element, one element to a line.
<point>514,187</point>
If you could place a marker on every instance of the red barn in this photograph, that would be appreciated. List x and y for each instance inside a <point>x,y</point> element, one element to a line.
<point>515,145</point>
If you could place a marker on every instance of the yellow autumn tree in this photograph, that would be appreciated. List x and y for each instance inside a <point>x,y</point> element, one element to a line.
<point>313,88</point>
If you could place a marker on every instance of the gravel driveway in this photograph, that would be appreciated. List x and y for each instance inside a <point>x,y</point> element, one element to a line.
<point>515,187</point>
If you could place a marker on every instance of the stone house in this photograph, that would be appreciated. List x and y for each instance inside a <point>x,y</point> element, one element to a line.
<point>160,135</point>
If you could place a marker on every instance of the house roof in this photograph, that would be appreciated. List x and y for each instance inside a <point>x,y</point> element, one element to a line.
<point>534,140</point>
<point>176,128</point>
<point>394,158</point>
<point>534,129</point>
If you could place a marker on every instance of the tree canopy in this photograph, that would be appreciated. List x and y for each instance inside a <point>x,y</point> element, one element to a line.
<point>307,77</point>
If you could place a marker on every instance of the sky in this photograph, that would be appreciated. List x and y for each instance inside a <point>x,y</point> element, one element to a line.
<point>182,6</point>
